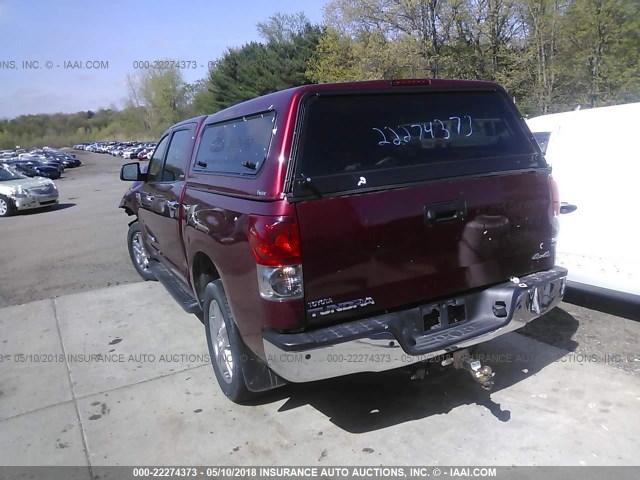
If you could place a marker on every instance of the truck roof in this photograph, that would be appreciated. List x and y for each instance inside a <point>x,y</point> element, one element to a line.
<point>197,119</point>
<point>282,99</point>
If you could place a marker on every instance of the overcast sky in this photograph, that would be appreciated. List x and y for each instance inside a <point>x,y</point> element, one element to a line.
<point>60,35</point>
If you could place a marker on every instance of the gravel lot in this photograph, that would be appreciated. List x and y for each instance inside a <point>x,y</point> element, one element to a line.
<point>78,245</point>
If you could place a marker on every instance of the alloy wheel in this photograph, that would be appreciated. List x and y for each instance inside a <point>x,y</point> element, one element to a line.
<point>4,208</point>
<point>139,251</point>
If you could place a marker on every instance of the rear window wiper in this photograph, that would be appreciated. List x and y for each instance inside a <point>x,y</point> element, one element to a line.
<point>249,165</point>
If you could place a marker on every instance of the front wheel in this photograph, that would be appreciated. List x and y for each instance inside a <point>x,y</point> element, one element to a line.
<point>138,252</point>
<point>228,353</point>
<point>6,207</point>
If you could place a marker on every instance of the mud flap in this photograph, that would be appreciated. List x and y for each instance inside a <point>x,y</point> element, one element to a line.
<point>258,376</point>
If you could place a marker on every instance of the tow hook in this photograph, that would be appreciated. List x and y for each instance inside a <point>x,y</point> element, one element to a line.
<point>480,373</point>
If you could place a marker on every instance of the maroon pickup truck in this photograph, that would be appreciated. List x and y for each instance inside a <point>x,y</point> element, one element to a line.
<point>333,229</point>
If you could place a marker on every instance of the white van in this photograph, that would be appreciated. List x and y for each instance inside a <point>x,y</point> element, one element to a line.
<point>595,156</point>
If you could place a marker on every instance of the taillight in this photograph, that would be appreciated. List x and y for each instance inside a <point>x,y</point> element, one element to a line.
<point>274,241</point>
<point>555,197</point>
<point>275,244</point>
<point>555,208</point>
<point>280,283</point>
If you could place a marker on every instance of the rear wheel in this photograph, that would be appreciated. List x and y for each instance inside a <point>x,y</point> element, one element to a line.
<point>6,207</point>
<point>228,353</point>
<point>138,252</point>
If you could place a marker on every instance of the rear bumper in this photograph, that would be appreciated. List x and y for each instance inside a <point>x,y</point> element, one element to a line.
<point>399,339</point>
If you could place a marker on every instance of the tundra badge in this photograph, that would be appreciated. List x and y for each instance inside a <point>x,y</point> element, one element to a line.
<point>326,306</point>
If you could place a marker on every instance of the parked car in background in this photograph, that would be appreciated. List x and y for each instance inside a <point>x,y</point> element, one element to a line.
<point>33,168</point>
<point>131,153</point>
<point>42,156</point>
<point>145,154</point>
<point>595,161</point>
<point>128,149</point>
<point>385,222</point>
<point>66,159</point>
<point>68,162</point>
<point>117,151</point>
<point>42,160</point>
<point>18,192</point>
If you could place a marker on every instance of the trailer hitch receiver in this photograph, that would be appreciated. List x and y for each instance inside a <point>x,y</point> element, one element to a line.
<point>483,374</point>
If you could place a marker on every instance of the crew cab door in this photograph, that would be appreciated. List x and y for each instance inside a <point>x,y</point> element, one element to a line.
<point>159,211</point>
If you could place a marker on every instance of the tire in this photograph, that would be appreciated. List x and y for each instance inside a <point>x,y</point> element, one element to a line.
<point>227,351</point>
<point>138,252</point>
<point>6,207</point>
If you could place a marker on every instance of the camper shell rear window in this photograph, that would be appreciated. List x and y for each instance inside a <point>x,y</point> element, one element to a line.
<point>353,141</point>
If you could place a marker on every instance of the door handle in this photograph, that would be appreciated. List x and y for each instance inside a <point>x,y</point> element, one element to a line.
<point>567,208</point>
<point>445,212</point>
<point>146,200</point>
<point>172,208</point>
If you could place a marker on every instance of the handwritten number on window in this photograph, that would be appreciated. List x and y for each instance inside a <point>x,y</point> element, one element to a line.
<point>419,127</point>
<point>443,128</point>
<point>470,126</point>
<point>458,127</point>
<point>428,130</point>
<point>435,129</point>
<point>384,140</point>
<point>396,141</point>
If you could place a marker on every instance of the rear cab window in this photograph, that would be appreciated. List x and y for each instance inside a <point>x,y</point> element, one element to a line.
<point>353,141</point>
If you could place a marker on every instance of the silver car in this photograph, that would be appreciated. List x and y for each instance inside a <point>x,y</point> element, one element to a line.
<point>18,192</point>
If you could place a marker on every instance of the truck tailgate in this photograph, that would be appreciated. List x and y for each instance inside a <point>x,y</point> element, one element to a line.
<point>378,251</point>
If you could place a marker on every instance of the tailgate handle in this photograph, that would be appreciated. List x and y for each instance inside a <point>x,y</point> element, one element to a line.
<point>445,212</point>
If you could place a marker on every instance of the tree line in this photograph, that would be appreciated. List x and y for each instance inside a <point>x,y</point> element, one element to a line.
<point>551,55</point>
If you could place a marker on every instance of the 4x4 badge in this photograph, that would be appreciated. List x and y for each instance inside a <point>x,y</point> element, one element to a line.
<point>539,256</point>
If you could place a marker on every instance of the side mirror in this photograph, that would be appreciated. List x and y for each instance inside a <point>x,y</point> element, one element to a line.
<point>567,208</point>
<point>130,172</point>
